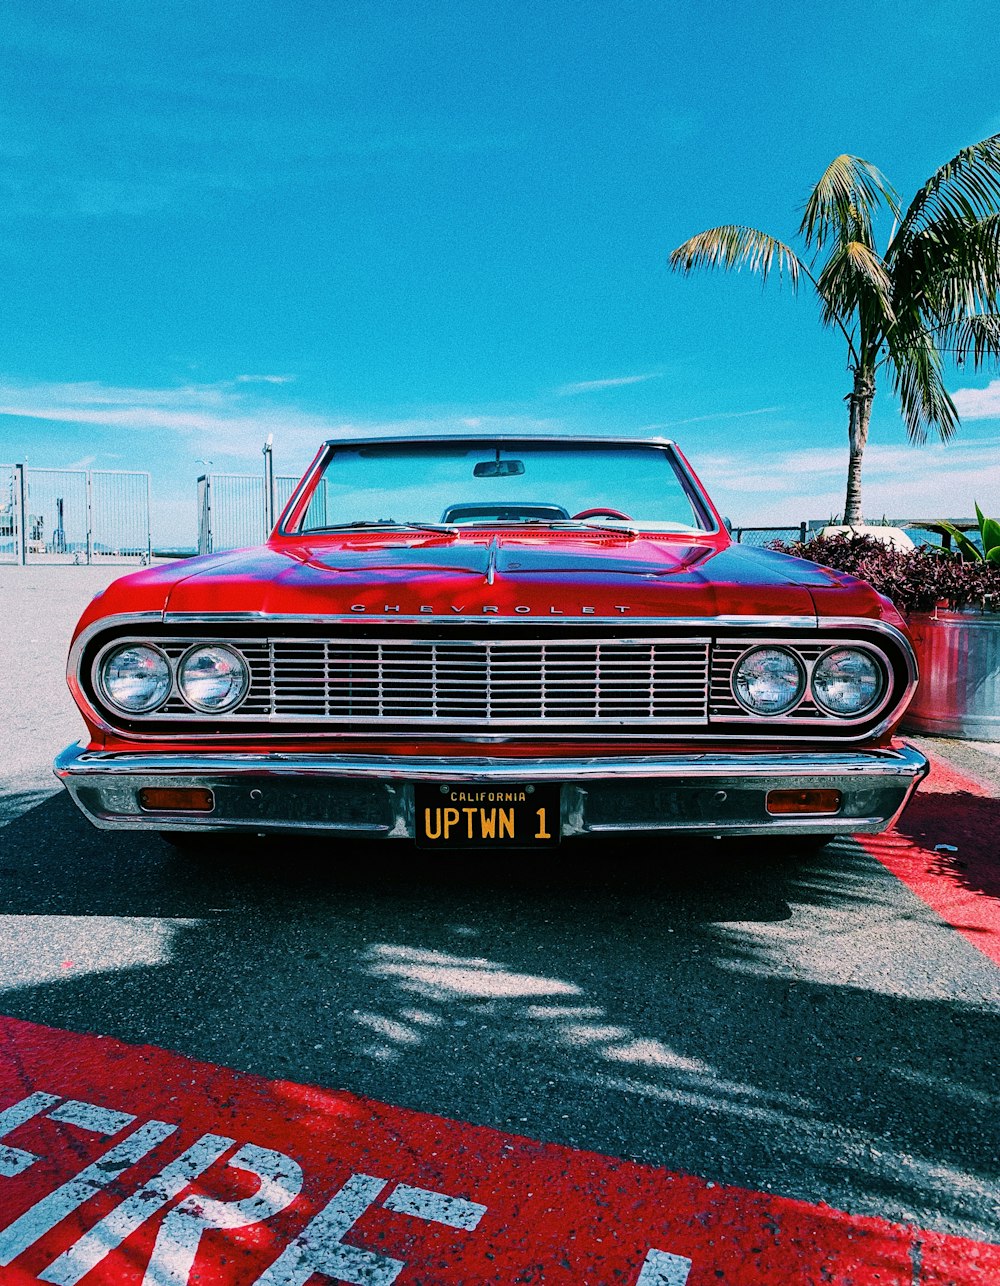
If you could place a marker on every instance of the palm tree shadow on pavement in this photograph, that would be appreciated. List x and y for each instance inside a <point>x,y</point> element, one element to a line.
<point>794,1024</point>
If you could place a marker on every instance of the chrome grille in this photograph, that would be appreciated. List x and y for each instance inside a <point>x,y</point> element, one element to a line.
<point>503,682</point>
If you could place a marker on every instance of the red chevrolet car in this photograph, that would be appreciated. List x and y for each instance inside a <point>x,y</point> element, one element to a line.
<point>493,641</point>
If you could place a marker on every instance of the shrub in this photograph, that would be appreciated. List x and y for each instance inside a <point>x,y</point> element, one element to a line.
<point>916,580</point>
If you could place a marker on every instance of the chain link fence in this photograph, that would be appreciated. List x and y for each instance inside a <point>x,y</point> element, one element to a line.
<point>761,536</point>
<point>73,515</point>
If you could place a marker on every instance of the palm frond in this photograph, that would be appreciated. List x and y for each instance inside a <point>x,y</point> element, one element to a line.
<point>842,203</point>
<point>854,279</point>
<point>966,187</point>
<point>976,335</point>
<point>949,268</point>
<point>917,379</point>
<point>737,246</point>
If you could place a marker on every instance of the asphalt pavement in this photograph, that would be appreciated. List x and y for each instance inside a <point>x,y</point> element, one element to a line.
<point>803,1025</point>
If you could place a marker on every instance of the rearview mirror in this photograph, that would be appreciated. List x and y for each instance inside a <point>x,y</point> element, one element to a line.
<point>498,468</point>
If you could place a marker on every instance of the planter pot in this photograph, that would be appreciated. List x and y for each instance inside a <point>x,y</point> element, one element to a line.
<point>959,690</point>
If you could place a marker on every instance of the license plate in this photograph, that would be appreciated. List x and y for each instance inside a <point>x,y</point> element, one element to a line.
<point>457,815</point>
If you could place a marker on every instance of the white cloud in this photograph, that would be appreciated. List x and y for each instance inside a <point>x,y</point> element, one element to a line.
<point>978,403</point>
<point>264,379</point>
<point>776,487</point>
<point>229,418</point>
<point>593,386</point>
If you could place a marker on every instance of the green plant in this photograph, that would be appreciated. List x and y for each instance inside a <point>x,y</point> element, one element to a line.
<point>989,534</point>
<point>933,290</point>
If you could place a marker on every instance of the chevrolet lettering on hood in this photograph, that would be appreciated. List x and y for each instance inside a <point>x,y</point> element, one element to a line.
<point>483,641</point>
<point>489,609</point>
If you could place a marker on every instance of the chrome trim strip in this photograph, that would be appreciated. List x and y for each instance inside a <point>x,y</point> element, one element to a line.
<point>469,436</point>
<point>493,621</point>
<point>891,761</point>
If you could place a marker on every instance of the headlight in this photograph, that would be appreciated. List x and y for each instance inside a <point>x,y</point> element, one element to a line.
<point>213,678</point>
<point>847,681</point>
<point>136,678</point>
<point>769,681</point>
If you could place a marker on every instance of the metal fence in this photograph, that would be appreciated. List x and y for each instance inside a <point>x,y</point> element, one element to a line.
<point>764,535</point>
<point>73,515</point>
<point>235,509</point>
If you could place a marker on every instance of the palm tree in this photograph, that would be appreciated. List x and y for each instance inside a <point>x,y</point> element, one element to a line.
<point>933,292</point>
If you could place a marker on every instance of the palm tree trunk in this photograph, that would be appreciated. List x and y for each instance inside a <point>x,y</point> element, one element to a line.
<point>860,400</point>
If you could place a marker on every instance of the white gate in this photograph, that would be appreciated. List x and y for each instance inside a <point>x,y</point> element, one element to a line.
<point>73,515</point>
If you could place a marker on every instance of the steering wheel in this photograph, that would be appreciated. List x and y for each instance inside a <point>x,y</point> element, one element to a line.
<point>602,512</point>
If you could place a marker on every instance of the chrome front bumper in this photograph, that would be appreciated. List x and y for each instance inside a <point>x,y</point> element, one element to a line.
<point>371,796</point>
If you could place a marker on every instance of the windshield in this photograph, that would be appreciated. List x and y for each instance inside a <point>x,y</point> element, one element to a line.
<point>524,484</point>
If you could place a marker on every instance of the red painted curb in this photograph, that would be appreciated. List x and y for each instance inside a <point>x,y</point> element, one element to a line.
<point>132,1165</point>
<point>961,886</point>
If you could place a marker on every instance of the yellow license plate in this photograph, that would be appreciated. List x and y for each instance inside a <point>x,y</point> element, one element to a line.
<point>457,815</point>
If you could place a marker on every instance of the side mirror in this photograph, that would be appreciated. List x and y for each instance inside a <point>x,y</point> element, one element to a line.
<point>728,524</point>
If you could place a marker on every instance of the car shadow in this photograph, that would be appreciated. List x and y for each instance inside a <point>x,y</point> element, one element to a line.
<point>789,1021</point>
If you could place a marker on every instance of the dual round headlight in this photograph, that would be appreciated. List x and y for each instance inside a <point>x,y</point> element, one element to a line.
<point>771,681</point>
<point>847,682</point>
<point>138,678</point>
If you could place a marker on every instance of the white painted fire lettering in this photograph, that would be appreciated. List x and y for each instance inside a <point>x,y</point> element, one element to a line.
<point>661,1268</point>
<point>358,607</point>
<point>88,1116</point>
<point>320,1247</point>
<point>177,1241</point>
<point>52,1209</point>
<point>14,1161</point>
<point>435,1207</point>
<point>113,1229</point>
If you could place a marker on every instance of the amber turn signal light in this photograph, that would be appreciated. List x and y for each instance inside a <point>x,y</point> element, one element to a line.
<point>817,802</point>
<point>157,799</point>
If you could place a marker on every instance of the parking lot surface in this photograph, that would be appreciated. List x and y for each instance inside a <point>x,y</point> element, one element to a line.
<point>810,1028</point>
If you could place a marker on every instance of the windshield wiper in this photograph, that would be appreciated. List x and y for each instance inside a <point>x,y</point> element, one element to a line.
<point>388,523</point>
<point>579,524</point>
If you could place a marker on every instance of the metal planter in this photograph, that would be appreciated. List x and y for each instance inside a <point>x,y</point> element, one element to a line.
<point>959,690</point>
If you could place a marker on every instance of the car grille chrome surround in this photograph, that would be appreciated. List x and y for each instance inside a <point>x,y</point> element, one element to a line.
<point>668,679</point>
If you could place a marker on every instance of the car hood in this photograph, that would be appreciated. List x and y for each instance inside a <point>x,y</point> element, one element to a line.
<point>563,574</point>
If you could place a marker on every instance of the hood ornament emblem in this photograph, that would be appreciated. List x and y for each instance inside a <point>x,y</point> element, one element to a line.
<point>491,560</point>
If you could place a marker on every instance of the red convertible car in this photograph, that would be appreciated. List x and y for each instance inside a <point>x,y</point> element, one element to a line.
<point>493,641</point>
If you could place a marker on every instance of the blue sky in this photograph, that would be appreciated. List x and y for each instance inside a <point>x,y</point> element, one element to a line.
<point>223,220</point>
